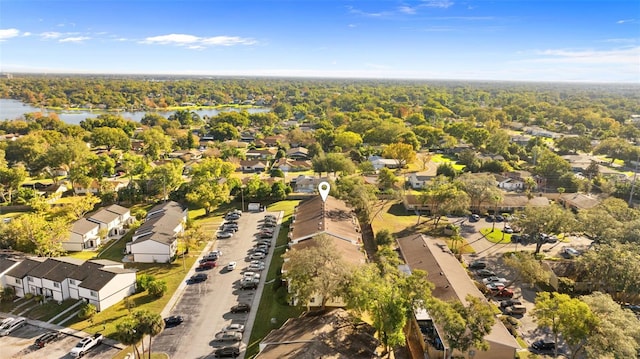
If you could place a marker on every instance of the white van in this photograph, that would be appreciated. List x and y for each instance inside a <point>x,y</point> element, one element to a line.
<point>15,324</point>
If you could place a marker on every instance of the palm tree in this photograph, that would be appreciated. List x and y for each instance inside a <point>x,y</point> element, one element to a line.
<point>150,324</point>
<point>128,335</point>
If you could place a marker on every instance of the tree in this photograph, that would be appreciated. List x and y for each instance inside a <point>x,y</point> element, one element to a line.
<point>480,187</point>
<point>127,334</point>
<point>465,326</point>
<point>498,142</point>
<point>552,219</point>
<point>618,332</point>
<point>566,316</point>
<point>148,323</point>
<point>402,153</point>
<point>384,238</point>
<point>87,311</point>
<point>10,181</point>
<point>388,297</point>
<point>573,144</point>
<point>111,138</point>
<point>443,197</point>
<point>316,271</point>
<point>166,178</point>
<point>528,268</point>
<point>614,147</point>
<point>550,165</point>
<point>347,140</point>
<point>387,179</point>
<point>157,288</point>
<point>155,143</point>
<point>83,205</point>
<point>359,195</point>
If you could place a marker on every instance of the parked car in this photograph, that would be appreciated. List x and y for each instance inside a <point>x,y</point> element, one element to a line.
<point>570,252</point>
<point>224,235</point>
<point>544,345</point>
<point>232,216</point>
<point>206,266</point>
<point>490,218</point>
<point>241,308</point>
<point>173,321</point>
<point>235,327</point>
<point>249,284</point>
<point>265,235</point>
<point>257,255</point>
<point>516,310</point>
<point>503,293</point>
<point>86,344</point>
<point>231,266</point>
<point>509,303</point>
<point>5,322</point>
<point>45,338</point>
<point>230,228</point>
<point>485,272</point>
<point>494,279</point>
<point>265,242</point>
<point>14,325</point>
<point>495,286</point>
<point>227,352</point>
<point>229,336</point>
<point>251,275</point>
<point>499,218</point>
<point>507,229</point>
<point>474,218</point>
<point>478,264</point>
<point>209,258</point>
<point>256,267</point>
<point>256,262</point>
<point>197,278</point>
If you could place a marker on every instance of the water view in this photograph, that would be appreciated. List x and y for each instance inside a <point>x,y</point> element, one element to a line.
<point>13,109</point>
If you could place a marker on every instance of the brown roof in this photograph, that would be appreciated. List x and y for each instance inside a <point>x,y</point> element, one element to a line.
<point>334,334</point>
<point>333,217</point>
<point>349,252</point>
<point>579,200</point>
<point>449,277</point>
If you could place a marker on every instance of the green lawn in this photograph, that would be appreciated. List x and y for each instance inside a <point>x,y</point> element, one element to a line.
<point>84,255</point>
<point>496,236</point>
<point>49,310</point>
<point>440,158</point>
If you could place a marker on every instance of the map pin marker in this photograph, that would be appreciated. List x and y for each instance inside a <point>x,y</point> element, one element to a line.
<point>324,188</point>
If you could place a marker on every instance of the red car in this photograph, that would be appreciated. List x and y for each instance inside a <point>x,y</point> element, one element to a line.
<point>206,265</point>
<point>504,293</point>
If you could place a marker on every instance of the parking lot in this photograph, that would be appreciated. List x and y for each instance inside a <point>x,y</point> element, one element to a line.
<point>206,306</point>
<point>20,344</point>
<point>492,254</point>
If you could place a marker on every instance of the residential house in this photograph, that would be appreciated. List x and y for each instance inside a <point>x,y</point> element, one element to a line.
<point>578,201</point>
<point>298,153</point>
<point>96,187</point>
<point>262,154</point>
<point>334,220</point>
<point>256,166</point>
<point>541,132</point>
<point>510,184</point>
<point>99,282</point>
<point>379,162</point>
<point>274,141</point>
<point>520,140</point>
<point>333,334</point>
<point>418,180</point>
<point>452,283</point>
<point>137,145</point>
<point>186,155</point>
<point>112,219</point>
<point>306,184</point>
<point>83,235</point>
<point>511,202</point>
<point>156,240</point>
<point>6,264</point>
<point>289,165</point>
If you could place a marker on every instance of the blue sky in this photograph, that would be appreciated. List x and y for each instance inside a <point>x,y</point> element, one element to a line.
<point>541,40</point>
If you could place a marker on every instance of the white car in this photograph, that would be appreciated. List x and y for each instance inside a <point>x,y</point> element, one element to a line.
<point>234,328</point>
<point>256,267</point>
<point>257,262</point>
<point>493,286</point>
<point>571,252</point>
<point>231,266</point>
<point>508,229</point>
<point>257,255</point>
<point>250,275</point>
<point>494,279</point>
<point>12,326</point>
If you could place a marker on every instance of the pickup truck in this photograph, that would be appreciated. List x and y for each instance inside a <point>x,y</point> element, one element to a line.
<point>85,345</point>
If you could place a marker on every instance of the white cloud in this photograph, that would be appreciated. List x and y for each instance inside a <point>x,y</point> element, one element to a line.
<point>51,35</point>
<point>443,4</point>
<point>196,42</point>
<point>352,25</point>
<point>623,56</point>
<point>8,33</point>
<point>407,10</point>
<point>25,34</point>
<point>75,39</point>
<point>626,21</point>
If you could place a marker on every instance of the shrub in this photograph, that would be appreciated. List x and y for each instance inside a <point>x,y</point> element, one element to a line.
<point>157,288</point>
<point>143,281</point>
<point>87,311</point>
<point>8,293</point>
<point>384,237</point>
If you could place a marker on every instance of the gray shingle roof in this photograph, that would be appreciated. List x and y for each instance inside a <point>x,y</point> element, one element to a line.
<point>83,226</point>
<point>117,209</point>
<point>103,216</point>
<point>22,269</point>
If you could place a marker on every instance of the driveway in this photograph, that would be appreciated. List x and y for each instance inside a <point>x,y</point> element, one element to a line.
<point>206,306</point>
<point>492,254</point>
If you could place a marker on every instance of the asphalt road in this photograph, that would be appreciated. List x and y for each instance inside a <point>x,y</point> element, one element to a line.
<point>206,306</point>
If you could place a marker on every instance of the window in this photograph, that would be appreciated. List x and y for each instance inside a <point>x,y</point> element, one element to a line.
<point>56,285</point>
<point>72,282</point>
<point>18,281</point>
<point>93,294</point>
<point>29,279</point>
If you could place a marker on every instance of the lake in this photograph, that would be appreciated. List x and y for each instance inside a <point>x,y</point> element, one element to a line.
<point>13,109</point>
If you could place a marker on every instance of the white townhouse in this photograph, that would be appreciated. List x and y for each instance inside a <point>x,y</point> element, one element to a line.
<point>83,235</point>
<point>99,282</point>
<point>112,219</point>
<point>6,264</point>
<point>156,240</point>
